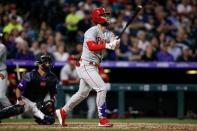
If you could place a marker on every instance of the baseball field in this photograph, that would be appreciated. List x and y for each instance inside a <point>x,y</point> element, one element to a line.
<point>138,124</point>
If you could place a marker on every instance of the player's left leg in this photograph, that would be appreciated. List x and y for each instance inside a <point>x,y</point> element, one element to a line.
<point>79,96</point>
<point>91,76</point>
<point>91,103</point>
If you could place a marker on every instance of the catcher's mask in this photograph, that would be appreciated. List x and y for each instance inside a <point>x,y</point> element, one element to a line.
<point>46,63</point>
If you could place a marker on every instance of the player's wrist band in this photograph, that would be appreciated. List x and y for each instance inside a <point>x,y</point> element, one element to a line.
<point>19,98</point>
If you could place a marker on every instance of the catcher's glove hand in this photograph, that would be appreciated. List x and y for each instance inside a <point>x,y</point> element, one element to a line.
<point>47,107</point>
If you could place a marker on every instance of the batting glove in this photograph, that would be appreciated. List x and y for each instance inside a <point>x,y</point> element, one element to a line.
<point>112,45</point>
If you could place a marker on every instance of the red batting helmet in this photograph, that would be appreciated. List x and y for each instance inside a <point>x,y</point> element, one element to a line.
<point>98,16</point>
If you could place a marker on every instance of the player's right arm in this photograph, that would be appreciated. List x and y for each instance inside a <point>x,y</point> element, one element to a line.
<point>19,98</point>
<point>25,81</point>
<point>22,86</point>
<point>90,40</point>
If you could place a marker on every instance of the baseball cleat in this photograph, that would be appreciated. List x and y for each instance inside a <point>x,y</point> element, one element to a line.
<point>104,122</point>
<point>61,115</point>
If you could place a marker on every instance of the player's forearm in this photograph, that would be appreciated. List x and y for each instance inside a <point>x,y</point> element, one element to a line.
<point>18,93</point>
<point>76,81</point>
<point>93,46</point>
<point>53,97</point>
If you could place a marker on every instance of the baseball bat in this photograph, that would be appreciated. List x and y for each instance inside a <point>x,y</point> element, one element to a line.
<point>139,7</point>
<point>18,72</point>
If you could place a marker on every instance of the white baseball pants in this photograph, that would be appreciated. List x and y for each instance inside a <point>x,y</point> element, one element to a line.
<point>89,79</point>
<point>3,89</point>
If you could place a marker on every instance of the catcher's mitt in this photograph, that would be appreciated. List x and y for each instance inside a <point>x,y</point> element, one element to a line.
<point>47,108</point>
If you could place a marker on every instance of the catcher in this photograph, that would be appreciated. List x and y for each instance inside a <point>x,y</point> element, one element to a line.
<point>32,93</point>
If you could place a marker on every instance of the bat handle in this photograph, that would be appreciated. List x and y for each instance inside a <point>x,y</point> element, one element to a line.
<point>17,72</point>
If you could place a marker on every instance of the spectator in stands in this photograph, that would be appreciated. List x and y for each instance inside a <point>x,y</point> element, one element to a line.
<point>184,7</point>
<point>123,52</point>
<point>13,12</point>
<point>24,53</point>
<point>187,56</point>
<point>83,25</point>
<point>71,22</point>
<point>142,42</point>
<point>44,50</point>
<point>163,54</point>
<point>161,23</point>
<point>149,54</point>
<point>136,52</point>
<point>162,39</point>
<point>88,5</point>
<point>182,37</point>
<point>80,10</point>
<point>10,44</point>
<point>76,53</point>
<point>58,38</point>
<point>154,43</point>
<point>68,75</point>
<point>35,48</point>
<point>61,54</point>
<point>12,25</point>
<point>42,33</point>
<point>173,49</point>
<point>51,43</point>
<point>29,31</point>
<point>194,33</point>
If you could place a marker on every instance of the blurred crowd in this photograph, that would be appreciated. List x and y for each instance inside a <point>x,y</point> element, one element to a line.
<point>165,30</point>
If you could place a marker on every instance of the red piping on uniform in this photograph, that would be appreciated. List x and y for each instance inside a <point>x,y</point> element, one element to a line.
<point>93,46</point>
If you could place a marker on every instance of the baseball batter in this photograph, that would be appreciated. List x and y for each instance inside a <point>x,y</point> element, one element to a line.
<point>3,76</point>
<point>96,39</point>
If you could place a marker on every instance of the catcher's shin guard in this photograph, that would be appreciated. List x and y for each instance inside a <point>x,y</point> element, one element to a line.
<point>48,109</point>
<point>48,120</point>
<point>11,111</point>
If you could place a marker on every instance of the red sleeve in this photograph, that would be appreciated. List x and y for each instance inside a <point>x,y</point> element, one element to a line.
<point>93,46</point>
<point>101,70</point>
<point>65,82</point>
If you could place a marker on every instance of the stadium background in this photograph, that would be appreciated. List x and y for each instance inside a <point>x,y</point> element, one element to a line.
<point>166,27</point>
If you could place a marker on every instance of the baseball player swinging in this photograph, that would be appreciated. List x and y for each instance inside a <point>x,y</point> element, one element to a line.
<point>32,91</point>
<point>96,39</point>
<point>3,75</point>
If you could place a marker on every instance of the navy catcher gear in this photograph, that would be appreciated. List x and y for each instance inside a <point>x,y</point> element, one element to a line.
<point>48,120</point>
<point>46,62</point>
<point>47,108</point>
<point>11,111</point>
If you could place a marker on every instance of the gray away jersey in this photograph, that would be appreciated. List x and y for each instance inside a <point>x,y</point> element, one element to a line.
<point>94,34</point>
<point>3,53</point>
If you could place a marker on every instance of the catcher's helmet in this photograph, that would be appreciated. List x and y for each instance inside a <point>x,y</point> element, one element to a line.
<point>46,62</point>
<point>44,59</point>
<point>99,16</point>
